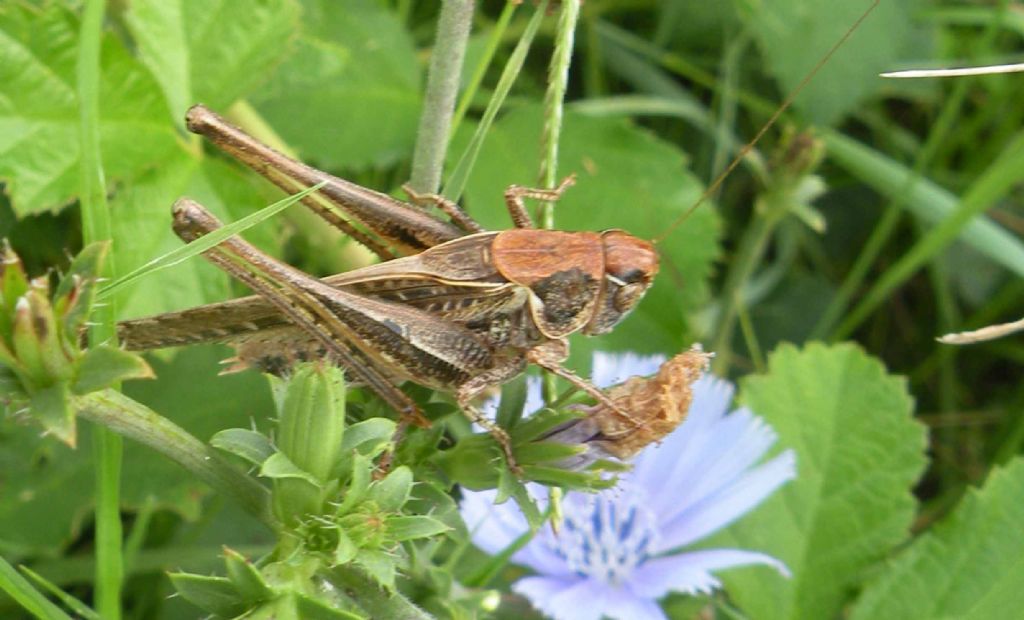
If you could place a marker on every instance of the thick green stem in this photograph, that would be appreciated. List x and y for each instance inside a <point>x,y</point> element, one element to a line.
<point>439,100</point>
<point>133,420</point>
<point>96,227</point>
<point>374,600</point>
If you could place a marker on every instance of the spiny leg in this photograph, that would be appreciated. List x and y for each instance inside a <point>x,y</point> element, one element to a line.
<point>288,289</point>
<point>515,197</point>
<point>387,226</point>
<point>503,370</point>
<point>450,208</point>
<point>550,358</point>
<point>499,434</point>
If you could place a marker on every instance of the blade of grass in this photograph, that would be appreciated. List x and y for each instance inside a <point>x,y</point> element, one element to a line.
<point>964,220</point>
<point>81,609</point>
<point>480,71</point>
<point>109,447</point>
<point>457,182</point>
<point>205,242</point>
<point>18,588</point>
<point>939,137</point>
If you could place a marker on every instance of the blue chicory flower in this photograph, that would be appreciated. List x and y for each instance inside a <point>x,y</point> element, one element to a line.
<point>621,550</point>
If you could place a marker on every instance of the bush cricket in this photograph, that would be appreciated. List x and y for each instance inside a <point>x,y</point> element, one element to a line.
<point>453,307</point>
<point>467,311</point>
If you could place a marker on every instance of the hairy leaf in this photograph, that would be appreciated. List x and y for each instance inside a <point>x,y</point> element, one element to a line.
<point>859,453</point>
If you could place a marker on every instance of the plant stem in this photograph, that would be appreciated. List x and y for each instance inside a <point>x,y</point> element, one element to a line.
<point>96,227</point>
<point>376,602</point>
<point>768,213</point>
<point>439,100</point>
<point>129,418</point>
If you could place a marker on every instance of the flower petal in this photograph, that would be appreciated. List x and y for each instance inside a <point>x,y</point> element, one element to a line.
<point>729,503</point>
<point>722,455</point>
<point>622,604</point>
<point>493,527</point>
<point>690,573</point>
<point>613,368</point>
<point>564,599</point>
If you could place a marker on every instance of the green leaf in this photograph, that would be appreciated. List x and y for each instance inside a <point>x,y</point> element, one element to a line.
<point>215,595</point>
<point>969,566</point>
<point>518,491</point>
<point>513,399</point>
<point>39,142</point>
<point>103,366</point>
<point>412,527</point>
<point>354,69</point>
<point>279,466</point>
<point>556,476</point>
<point>859,454</point>
<point>393,491</point>
<point>473,462</point>
<point>52,407</point>
<point>246,578</point>
<point>74,296</point>
<point>309,608</point>
<point>432,498</point>
<point>206,242</point>
<point>541,423</point>
<point>795,35</point>
<point>251,446</point>
<point>359,483</point>
<point>379,566</point>
<point>627,178</point>
<point>345,550</point>
<point>210,51</point>
<point>13,284</point>
<point>547,451</point>
<point>369,437</point>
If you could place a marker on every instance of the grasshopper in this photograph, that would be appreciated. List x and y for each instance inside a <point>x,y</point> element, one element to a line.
<point>459,309</point>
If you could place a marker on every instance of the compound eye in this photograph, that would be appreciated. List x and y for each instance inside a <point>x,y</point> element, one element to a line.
<point>628,296</point>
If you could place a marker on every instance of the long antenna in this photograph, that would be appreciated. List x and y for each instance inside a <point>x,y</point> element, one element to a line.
<point>768,125</point>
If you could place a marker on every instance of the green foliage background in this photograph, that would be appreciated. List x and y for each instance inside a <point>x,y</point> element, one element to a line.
<point>923,221</point>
